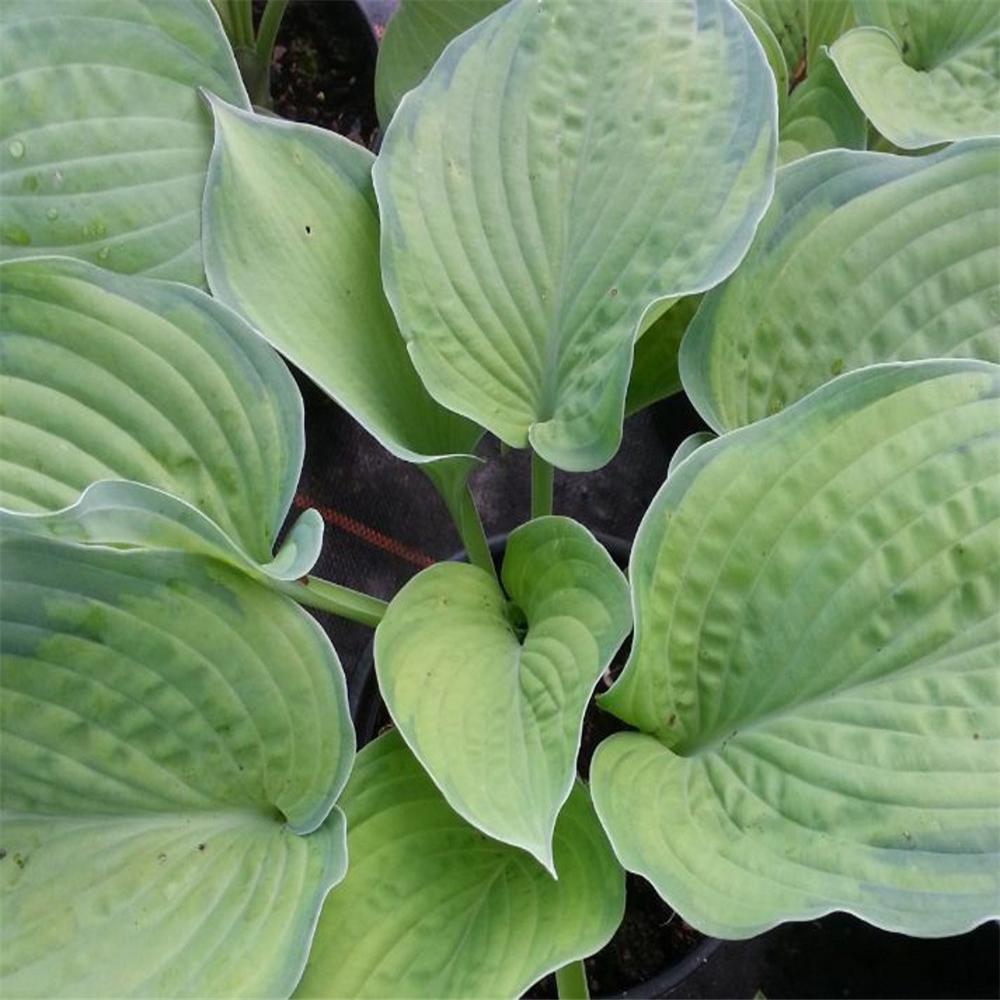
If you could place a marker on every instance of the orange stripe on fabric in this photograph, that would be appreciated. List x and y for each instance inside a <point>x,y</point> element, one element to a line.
<point>364,532</point>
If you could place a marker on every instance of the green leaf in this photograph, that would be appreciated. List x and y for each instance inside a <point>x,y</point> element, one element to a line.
<point>821,114</point>
<point>687,447</point>
<point>655,374</point>
<point>303,268</point>
<point>924,73</point>
<point>490,693</point>
<point>826,21</point>
<point>432,908</point>
<point>815,108</point>
<point>528,225</point>
<point>861,258</point>
<point>814,667</point>
<point>125,514</point>
<point>787,23</point>
<point>104,142</point>
<point>802,28</point>
<point>174,738</point>
<point>772,50</point>
<point>107,376</point>
<point>415,36</point>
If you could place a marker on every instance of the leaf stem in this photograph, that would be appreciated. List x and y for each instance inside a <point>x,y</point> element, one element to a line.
<point>470,530</point>
<point>267,30</point>
<point>542,480</point>
<point>571,982</point>
<point>237,20</point>
<point>315,592</point>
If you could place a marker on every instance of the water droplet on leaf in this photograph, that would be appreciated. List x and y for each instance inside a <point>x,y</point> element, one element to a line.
<point>17,149</point>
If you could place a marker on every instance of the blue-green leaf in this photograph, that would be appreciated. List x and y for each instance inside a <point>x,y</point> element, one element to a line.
<point>924,72</point>
<point>861,258</point>
<point>528,225</point>
<point>814,668</point>
<point>104,142</point>
<point>174,739</point>
<point>414,38</point>
<point>431,908</point>
<point>108,376</point>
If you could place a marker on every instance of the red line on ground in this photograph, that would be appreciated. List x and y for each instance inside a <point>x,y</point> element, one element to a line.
<point>364,532</point>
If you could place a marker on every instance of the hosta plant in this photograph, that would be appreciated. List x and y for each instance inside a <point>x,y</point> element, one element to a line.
<point>576,209</point>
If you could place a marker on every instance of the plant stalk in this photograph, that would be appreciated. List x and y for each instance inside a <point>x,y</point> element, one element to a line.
<point>243,16</point>
<point>470,530</point>
<point>315,592</point>
<point>571,982</point>
<point>237,20</point>
<point>267,30</point>
<point>542,482</point>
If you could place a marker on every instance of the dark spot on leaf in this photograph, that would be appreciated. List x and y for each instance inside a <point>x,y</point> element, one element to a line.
<point>975,736</point>
<point>201,847</point>
<point>613,292</point>
<point>3,853</point>
<point>308,230</point>
<point>798,73</point>
<point>672,719</point>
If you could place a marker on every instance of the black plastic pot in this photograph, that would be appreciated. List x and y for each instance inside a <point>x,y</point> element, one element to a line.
<point>371,717</point>
<point>671,978</point>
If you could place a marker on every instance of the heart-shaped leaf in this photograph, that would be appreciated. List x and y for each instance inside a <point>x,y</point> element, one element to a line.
<point>432,908</point>
<point>174,738</point>
<point>528,224</point>
<point>923,72</point>
<point>320,237</point>
<point>861,258</point>
<point>490,693</point>
<point>415,36</point>
<point>814,666</point>
<point>104,142</point>
<point>106,376</point>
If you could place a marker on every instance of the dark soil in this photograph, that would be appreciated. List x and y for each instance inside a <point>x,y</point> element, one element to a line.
<point>650,940</point>
<point>323,71</point>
